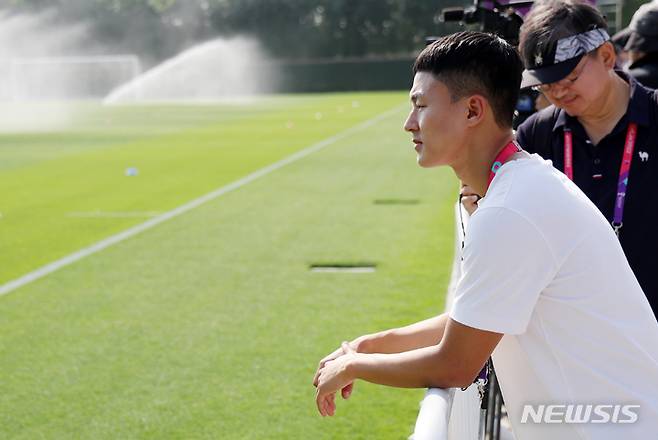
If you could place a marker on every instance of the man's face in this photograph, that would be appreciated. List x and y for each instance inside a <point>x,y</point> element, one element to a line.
<point>435,122</point>
<point>580,92</point>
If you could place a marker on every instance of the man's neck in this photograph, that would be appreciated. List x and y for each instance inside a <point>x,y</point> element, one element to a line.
<point>608,111</point>
<point>475,166</point>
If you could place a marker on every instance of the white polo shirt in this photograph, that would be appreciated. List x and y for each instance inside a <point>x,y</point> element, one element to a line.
<point>543,266</point>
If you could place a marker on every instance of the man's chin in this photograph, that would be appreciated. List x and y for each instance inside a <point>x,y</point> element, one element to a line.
<point>572,109</point>
<point>574,113</point>
<point>424,162</point>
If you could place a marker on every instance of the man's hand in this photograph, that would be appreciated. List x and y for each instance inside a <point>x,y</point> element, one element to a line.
<point>469,199</point>
<point>346,391</point>
<point>332,376</point>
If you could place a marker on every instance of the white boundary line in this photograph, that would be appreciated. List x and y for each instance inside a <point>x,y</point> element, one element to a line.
<point>113,214</point>
<point>131,232</point>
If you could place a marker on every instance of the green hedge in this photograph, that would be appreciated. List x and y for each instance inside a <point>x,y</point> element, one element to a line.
<point>345,75</point>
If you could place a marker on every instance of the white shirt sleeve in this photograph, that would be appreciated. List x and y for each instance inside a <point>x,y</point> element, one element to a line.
<point>507,264</point>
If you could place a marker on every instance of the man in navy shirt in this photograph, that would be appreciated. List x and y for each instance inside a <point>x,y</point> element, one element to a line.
<point>602,129</point>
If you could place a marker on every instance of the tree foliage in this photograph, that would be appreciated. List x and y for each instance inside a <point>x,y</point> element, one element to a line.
<point>286,28</point>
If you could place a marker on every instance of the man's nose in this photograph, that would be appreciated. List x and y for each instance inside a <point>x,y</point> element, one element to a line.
<point>558,90</point>
<point>411,124</point>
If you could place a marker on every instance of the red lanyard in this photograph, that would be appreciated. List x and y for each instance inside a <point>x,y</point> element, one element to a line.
<point>624,170</point>
<point>568,153</point>
<point>510,149</point>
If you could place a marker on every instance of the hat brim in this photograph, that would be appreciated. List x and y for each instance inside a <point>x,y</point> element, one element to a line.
<point>549,74</point>
<point>641,43</point>
<point>620,39</point>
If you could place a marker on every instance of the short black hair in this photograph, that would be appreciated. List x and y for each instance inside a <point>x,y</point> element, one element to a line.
<point>471,63</point>
<point>550,20</point>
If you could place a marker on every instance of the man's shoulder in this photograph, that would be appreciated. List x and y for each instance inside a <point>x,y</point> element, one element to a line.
<point>518,183</point>
<point>544,118</point>
<point>535,132</point>
<point>534,189</point>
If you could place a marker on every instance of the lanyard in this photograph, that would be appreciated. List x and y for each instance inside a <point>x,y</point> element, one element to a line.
<point>510,149</point>
<point>624,170</point>
<point>503,156</point>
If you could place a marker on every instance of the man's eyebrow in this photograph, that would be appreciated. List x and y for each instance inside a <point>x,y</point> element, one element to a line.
<point>414,96</point>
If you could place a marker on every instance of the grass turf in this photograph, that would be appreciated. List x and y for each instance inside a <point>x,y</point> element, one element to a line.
<point>210,325</point>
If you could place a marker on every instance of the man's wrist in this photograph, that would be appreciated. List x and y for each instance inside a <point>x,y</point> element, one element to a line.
<point>354,365</point>
<point>361,344</point>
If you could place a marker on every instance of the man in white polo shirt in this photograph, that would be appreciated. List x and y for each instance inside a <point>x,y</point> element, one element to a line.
<point>546,289</point>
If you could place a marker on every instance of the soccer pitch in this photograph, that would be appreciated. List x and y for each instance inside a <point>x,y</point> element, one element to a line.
<point>210,325</point>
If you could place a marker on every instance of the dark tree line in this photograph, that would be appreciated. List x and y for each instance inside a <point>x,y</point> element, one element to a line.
<point>290,29</point>
<point>287,28</point>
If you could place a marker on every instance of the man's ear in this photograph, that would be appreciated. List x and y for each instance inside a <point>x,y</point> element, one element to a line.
<point>608,55</point>
<point>476,106</point>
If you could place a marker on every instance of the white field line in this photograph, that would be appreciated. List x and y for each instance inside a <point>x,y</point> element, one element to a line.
<point>113,214</point>
<point>137,229</point>
<point>343,269</point>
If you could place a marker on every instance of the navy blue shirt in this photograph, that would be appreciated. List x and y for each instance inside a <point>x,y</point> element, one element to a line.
<point>596,172</point>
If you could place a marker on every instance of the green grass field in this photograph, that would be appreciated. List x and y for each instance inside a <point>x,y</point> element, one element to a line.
<point>211,325</point>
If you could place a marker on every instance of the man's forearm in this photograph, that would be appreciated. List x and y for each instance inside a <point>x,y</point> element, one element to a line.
<point>418,335</point>
<point>454,362</point>
<point>425,367</point>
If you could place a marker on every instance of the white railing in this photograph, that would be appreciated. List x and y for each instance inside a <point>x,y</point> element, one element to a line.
<point>451,414</point>
<point>434,415</point>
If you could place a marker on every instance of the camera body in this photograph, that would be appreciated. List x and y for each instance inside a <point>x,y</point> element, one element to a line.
<point>503,18</point>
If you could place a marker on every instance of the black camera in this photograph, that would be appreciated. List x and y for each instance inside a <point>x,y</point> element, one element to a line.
<point>503,19</point>
<point>500,18</point>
